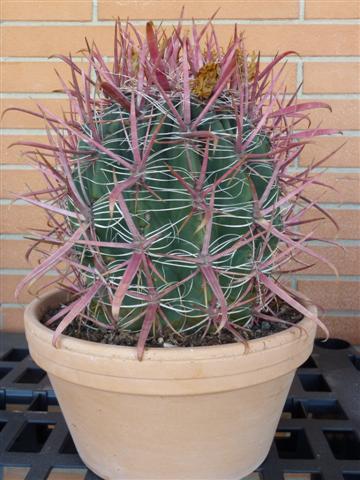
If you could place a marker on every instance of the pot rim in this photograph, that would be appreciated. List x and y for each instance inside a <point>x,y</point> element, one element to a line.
<point>35,309</point>
<point>165,371</point>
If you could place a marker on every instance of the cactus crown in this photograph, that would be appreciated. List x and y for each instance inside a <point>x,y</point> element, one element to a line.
<point>170,203</point>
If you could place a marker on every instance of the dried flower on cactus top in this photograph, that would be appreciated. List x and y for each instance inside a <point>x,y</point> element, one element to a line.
<point>251,64</point>
<point>205,80</point>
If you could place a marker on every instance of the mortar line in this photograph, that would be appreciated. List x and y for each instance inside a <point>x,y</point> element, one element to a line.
<point>339,206</point>
<point>10,236</point>
<point>23,271</point>
<point>328,278</point>
<point>328,96</point>
<point>23,131</point>
<point>266,58</point>
<point>12,305</point>
<point>33,95</point>
<point>95,18</point>
<point>342,313</point>
<point>300,78</point>
<point>341,243</point>
<point>342,170</point>
<point>302,10</point>
<point>187,22</point>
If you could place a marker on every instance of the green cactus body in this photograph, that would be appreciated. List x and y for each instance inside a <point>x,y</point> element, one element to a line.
<point>162,207</point>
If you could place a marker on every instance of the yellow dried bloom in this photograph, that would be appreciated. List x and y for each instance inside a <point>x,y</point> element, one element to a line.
<point>251,64</point>
<point>163,44</point>
<point>203,84</point>
<point>135,60</point>
<point>212,55</point>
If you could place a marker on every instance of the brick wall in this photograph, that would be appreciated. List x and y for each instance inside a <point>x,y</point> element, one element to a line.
<point>324,32</point>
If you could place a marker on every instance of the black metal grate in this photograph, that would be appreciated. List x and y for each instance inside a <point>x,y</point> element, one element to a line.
<point>318,437</point>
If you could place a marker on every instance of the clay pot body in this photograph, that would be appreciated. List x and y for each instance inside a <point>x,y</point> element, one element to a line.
<point>200,413</point>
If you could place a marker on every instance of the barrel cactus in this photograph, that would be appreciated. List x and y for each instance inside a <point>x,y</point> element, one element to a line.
<point>170,203</point>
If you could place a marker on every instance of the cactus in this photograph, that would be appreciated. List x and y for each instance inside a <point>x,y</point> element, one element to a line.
<point>172,181</point>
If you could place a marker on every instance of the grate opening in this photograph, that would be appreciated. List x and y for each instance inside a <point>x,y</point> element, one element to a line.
<point>293,444</point>
<point>15,355</point>
<point>351,476</point>
<point>293,409</point>
<point>302,476</point>
<point>332,344</point>
<point>344,444</point>
<point>310,363</point>
<point>2,425</point>
<point>31,375</point>
<point>14,473</point>
<point>39,404</point>
<point>32,437</point>
<point>324,410</point>
<point>4,371</point>
<point>355,360</point>
<point>67,474</point>
<point>68,446</point>
<point>314,382</point>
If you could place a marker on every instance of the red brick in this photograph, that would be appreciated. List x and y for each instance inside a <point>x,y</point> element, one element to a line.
<point>332,9</point>
<point>15,182</point>
<point>13,252</point>
<point>348,221</point>
<point>12,320</point>
<point>35,77</point>
<point>269,39</point>
<point>288,76</point>
<point>21,218</point>
<point>346,188</point>
<point>346,328</point>
<point>346,260</point>
<point>15,119</point>
<point>51,40</point>
<point>245,9</point>
<point>15,154</point>
<point>9,283</point>
<point>347,156</point>
<point>66,10</point>
<point>345,115</point>
<point>332,295</point>
<point>331,77</point>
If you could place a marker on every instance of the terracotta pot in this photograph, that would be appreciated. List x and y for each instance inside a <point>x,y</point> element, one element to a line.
<point>180,414</point>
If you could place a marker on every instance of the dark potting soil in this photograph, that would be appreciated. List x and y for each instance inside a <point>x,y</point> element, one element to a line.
<point>261,328</point>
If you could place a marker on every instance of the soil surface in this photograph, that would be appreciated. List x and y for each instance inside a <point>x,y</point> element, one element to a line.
<point>261,328</point>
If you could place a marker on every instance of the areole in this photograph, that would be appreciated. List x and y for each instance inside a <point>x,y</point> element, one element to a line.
<point>179,396</point>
